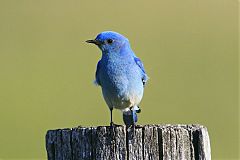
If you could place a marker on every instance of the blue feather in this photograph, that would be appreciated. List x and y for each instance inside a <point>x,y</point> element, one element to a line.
<point>140,64</point>
<point>97,79</point>
<point>130,117</point>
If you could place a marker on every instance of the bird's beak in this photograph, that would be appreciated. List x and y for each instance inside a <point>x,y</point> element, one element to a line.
<point>94,42</point>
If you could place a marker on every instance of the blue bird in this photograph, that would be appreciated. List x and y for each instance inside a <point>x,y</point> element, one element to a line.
<point>120,74</point>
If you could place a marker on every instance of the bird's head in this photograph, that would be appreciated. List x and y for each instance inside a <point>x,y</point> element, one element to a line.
<point>109,41</point>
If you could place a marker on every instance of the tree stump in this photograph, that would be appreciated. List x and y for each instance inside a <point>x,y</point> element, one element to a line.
<point>149,142</point>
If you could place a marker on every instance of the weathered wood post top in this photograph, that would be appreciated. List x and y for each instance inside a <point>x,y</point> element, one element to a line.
<point>148,142</point>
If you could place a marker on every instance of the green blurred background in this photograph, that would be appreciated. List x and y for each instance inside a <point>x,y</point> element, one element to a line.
<point>189,49</point>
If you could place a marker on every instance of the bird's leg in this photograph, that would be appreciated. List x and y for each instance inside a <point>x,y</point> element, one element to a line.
<point>111,122</point>
<point>112,125</point>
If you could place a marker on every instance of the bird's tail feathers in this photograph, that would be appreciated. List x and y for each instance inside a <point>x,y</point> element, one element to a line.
<point>130,115</point>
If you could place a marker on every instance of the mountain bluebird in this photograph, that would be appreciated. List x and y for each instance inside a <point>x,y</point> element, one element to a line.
<point>120,74</point>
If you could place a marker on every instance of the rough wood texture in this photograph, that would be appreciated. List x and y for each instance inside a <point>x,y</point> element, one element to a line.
<point>149,142</point>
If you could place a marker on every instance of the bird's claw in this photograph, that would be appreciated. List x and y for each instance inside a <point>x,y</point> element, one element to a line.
<point>114,125</point>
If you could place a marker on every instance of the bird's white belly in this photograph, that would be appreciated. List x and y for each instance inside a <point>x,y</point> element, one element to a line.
<point>123,98</point>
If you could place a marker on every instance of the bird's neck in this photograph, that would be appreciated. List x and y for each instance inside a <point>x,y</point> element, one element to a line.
<point>124,52</point>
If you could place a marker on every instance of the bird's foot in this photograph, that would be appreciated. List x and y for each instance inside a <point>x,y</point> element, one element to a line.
<point>133,126</point>
<point>114,125</point>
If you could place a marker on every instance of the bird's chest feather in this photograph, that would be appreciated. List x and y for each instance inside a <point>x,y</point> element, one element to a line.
<point>119,74</point>
<point>116,72</point>
<point>121,83</point>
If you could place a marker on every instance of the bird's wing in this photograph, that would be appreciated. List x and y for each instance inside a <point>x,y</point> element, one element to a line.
<point>140,65</point>
<point>97,80</point>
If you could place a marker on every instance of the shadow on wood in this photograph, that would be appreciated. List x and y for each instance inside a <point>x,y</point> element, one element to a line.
<point>149,142</point>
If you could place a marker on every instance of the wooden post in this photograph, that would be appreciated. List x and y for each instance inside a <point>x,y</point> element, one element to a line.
<point>149,142</point>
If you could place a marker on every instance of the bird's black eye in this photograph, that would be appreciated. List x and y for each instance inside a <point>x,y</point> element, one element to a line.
<point>109,41</point>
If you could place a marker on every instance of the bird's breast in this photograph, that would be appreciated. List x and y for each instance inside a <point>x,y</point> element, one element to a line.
<point>121,77</point>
